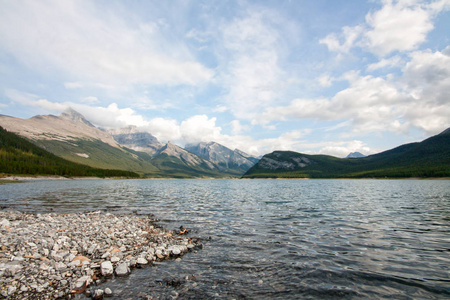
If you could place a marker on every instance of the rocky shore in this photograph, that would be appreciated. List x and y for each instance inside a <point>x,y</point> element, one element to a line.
<point>48,256</point>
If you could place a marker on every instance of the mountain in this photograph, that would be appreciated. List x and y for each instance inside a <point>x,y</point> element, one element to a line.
<point>69,126</point>
<point>178,162</point>
<point>71,137</point>
<point>132,138</point>
<point>223,157</point>
<point>19,156</point>
<point>355,155</point>
<point>429,158</point>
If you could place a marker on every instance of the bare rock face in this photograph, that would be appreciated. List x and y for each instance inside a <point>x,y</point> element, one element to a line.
<point>222,156</point>
<point>70,125</point>
<point>294,163</point>
<point>189,158</point>
<point>138,140</point>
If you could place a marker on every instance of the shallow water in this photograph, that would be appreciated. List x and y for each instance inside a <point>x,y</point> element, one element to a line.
<point>269,239</point>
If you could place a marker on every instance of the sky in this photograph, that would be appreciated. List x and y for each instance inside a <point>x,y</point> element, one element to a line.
<point>317,77</point>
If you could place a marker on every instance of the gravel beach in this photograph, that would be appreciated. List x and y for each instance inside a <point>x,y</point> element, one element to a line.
<point>48,256</point>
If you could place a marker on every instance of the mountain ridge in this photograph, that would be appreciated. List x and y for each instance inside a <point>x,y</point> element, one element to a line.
<point>221,156</point>
<point>72,137</point>
<point>429,158</point>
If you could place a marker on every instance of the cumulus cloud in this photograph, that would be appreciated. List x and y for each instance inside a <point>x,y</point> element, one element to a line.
<point>199,128</point>
<point>418,98</point>
<point>370,103</point>
<point>94,46</point>
<point>164,129</point>
<point>400,25</point>
<point>427,78</point>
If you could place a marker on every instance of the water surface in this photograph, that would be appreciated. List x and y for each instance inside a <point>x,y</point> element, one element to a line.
<point>275,239</point>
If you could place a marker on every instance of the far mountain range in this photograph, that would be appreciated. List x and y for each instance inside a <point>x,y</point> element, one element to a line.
<point>72,137</point>
<point>70,145</point>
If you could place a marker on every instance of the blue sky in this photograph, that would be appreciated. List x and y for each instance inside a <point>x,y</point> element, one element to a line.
<point>327,77</point>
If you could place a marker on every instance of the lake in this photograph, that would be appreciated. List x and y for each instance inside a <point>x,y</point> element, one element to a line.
<point>275,239</point>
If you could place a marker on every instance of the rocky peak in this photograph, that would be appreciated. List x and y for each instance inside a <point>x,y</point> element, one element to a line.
<point>184,155</point>
<point>355,155</point>
<point>73,116</point>
<point>133,138</point>
<point>221,156</point>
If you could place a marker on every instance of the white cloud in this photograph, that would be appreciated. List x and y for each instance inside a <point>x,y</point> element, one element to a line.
<point>427,78</point>
<point>92,45</point>
<point>238,128</point>
<point>164,129</point>
<point>90,100</point>
<point>385,63</point>
<point>370,103</point>
<point>199,128</point>
<point>339,148</point>
<point>400,25</point>
<point>250,63</point>
<point>28,99</point>
<point>345,41</point>
<point>325,80</point>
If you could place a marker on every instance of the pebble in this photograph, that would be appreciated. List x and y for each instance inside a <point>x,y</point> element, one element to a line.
<point>46,256</point>
<point>108,292</point>
<point>142,261</point>
<point>122,269</point>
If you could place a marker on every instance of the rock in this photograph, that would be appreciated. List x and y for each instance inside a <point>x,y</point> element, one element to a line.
<point>108,292</point>
<point>176,250</point>
<point>122,269</point>
<point>11,270</point>
<point>80,258</point>
<point>106,268</point>
<point>11,290</point>
<point>142,261</point>
<point>85,280</point>
<point>98,294</point>
<point>5,223</point>
<point>47,256</point>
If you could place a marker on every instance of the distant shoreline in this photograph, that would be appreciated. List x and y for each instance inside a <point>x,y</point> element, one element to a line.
<point>20,178</point>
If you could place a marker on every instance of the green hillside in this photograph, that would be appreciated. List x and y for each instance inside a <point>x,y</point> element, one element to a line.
<point>101,155</point>
<point>430,158</point>
<point>19,156</point>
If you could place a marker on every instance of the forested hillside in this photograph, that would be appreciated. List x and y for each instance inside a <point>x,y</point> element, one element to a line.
<point>429,158</point>
<point>19,156</point>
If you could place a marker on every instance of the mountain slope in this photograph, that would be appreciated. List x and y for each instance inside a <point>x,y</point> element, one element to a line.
<point>178,162</point>
<point>132,138</point>
<point>73,138</point>
<point>19,156</point>
<point>429,158</point>
<point>223,157</point>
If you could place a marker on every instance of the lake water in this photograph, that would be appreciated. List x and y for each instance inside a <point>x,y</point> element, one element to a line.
<point>275,239</point>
